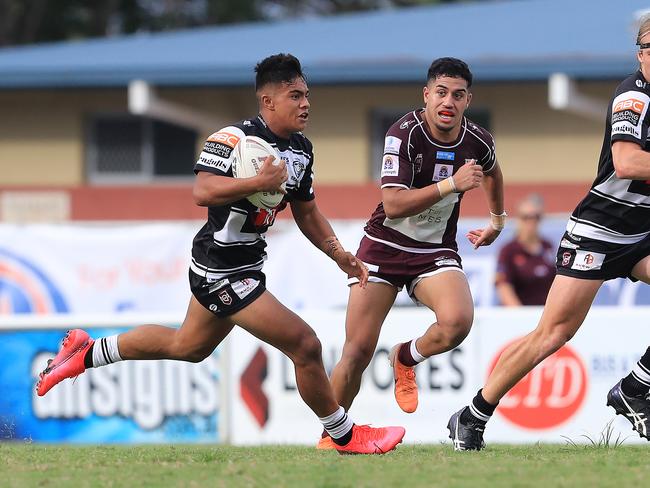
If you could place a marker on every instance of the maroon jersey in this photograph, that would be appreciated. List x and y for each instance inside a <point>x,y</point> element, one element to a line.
<point>530,275</point>
<point>414,159</point>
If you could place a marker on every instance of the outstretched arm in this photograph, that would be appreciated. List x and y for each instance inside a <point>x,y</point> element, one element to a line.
<point>318,230</point>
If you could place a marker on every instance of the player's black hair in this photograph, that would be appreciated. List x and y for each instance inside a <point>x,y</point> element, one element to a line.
<point>452,67</point>
<point>279,68</point>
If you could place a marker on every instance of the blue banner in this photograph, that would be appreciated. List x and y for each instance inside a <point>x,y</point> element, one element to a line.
<point>126,402</point>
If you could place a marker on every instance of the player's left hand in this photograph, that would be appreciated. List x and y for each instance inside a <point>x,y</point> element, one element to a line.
<point>482,237</point>
<point>354,267</point>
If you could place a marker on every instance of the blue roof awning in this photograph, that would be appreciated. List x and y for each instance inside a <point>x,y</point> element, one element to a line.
<point>501,40</point>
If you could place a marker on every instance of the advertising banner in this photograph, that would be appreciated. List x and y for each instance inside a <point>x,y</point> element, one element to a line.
<point>126,402</point>
<point>562,399</point>
<point>94,268</point>
<point>137,268</point>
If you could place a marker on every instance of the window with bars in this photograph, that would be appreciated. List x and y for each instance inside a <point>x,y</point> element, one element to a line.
<point>130,149</point>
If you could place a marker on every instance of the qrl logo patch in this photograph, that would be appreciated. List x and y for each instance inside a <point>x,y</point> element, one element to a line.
<point>549,395</point>
<point>442,171</point>
<point>390,166</point>
<point>225,297</point>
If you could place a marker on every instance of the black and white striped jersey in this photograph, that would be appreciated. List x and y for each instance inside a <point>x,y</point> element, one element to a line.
<point>232,240</point>
<point>617,210</point>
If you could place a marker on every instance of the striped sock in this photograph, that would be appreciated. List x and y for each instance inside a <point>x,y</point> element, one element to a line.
<point>104,351</point>
<point>408,354</point>
<point>479,411</point>
<point>339,426</point>
<point>637,383</point>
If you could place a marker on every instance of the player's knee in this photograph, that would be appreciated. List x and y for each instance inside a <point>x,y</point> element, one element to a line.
<point>357,356</point>
<point>308,349</point>
<point>555,340</point>
<point>190,353</point>
<point>456,327</point>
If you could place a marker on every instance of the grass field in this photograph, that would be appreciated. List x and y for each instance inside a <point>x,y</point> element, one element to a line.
<point>410,466</point>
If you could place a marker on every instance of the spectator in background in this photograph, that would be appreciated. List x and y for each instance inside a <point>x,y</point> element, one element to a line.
<point>526,264</point>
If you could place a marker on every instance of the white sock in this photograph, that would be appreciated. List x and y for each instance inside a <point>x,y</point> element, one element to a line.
<point>414,352</point>
<point>338,424</point>
<point>105,351</point>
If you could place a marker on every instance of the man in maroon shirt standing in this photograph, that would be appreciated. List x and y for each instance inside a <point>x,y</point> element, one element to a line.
<point>431,157</point>
<point>526,264</point>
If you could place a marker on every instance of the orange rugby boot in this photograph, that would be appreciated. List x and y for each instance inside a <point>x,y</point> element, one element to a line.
<point>325,443</point>
<point>406,390</point>
<point>371,440</point>
<point>68,363</point>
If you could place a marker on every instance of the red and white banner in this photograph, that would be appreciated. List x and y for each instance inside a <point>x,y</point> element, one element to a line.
<point>95,268</point>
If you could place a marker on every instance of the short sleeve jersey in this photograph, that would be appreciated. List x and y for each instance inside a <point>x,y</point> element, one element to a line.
<point>232,240</point>
<point>617,210</point>
<point>413,159</point>
<point>530,275</point>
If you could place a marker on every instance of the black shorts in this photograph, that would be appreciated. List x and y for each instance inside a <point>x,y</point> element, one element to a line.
<point>589,259</point>
<point>230,294</point>
<point>402,268</point>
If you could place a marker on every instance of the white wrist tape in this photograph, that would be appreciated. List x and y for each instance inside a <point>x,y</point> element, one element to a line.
<point>446,187</point>
<point>498,221</point>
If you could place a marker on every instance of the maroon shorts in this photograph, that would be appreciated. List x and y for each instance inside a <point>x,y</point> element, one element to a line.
<point>402,268</point>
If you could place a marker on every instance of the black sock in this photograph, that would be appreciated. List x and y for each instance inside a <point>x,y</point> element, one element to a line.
<point>342,441</point>
<point>88,358</point>
<point>637,383</point>
<point>479,411</point>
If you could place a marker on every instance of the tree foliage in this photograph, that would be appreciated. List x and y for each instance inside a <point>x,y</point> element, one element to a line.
<point>31,21</point>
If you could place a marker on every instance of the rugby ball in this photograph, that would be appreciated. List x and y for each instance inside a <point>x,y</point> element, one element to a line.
<point>251,152</point>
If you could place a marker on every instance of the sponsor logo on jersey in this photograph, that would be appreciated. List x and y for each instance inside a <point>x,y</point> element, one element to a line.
<point>225,138</point>
<point>442,171</point>
<point>214,162</point>
<point>417,164</point>
<point>406,123</point>
<point>626,116</point>
<point>243,287</point>
<point>218,149</point>
<point>225,297</point>
<point>629,104</point>
<point>216,284</point>
<point>568,244</point>
<point>446,262</point>
<point>587,260</point>
<point>445,155</point>
<point>549,395</point>
<point>640,84</point>
<point>624,128</point>
<point>566,258</point>
<point>390,165</point>
<point>392,145</point>
<point>298,169</point>
<point>264,217</point>
<point>628,111</point>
